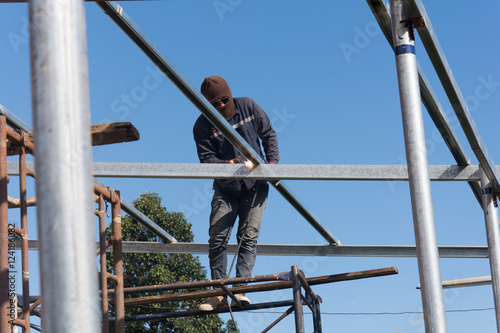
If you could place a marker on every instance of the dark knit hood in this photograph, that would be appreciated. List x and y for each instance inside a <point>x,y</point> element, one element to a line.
<point>214,88</point>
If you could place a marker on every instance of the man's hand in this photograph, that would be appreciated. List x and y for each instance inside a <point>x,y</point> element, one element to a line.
<point>236,160</point>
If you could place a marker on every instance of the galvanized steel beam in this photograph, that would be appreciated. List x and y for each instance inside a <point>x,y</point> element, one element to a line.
<point>266,171</point>
<point>117,14</point>
<point>396,251</point>
<point>279,171</point>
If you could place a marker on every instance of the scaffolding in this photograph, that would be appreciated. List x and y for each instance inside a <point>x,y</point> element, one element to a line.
<point>16,143</point>
<point>63,40</point>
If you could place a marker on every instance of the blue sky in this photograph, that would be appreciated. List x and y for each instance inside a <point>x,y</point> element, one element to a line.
<point>326,76</point>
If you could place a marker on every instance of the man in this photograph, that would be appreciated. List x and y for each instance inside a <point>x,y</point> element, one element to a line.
<point>233,198</point>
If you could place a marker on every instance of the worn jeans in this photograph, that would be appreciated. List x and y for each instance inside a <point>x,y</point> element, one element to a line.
<point>249,207</point>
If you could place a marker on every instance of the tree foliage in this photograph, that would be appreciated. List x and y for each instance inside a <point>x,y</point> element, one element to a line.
<point>143,269</point>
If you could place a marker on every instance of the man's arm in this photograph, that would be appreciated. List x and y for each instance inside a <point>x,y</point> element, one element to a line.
<point>204,146</point>
<point>267,134</point>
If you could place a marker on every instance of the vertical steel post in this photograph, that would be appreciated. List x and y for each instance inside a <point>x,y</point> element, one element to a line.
<point>317,318</point>
<point>297,301</point>
<point>63,165</point>
<point>490,207</point>
<point>118,262</point>
<point>4,232</point>
<point>104,271</point>
<point>416,155</point>
<point>24,234</point>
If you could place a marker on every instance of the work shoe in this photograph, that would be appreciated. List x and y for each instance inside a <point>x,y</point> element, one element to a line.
<point>212,303</point>
<point>242,298</point>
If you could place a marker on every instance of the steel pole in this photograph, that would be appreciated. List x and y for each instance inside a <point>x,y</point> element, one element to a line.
<point>63,165</point>
<point>116,225</point>
<point>416,155</point>
<point>490,207</point>
<point>104,270</point>
<point>297,301</point>
<point>24,234</point>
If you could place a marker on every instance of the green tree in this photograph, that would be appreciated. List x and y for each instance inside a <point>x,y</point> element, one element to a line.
<point>143,269</point>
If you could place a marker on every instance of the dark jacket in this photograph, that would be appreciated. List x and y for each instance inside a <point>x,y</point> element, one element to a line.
<point>253,124</point>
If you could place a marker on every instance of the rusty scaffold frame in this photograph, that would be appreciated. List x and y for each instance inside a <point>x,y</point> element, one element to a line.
<point>293,279</point>
<point>12,238</point>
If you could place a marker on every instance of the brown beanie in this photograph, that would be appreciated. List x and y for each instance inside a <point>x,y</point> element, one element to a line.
<point>215,87</point>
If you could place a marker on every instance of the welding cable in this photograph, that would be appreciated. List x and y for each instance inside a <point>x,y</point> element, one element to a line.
<point>238,249</point>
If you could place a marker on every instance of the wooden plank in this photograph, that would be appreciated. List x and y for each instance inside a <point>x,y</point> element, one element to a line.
<point>102,134</point>
<point>109,133</point>
<point>260,287</point>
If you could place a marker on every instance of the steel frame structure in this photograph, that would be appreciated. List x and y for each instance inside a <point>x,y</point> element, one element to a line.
<point>50,46</point>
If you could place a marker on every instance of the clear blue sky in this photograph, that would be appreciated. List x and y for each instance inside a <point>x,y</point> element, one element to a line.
<point>329,106</point>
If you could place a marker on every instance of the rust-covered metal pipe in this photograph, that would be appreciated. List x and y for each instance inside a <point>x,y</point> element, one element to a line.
<point>18,138</point>
<point>23,200</point>
<point>297,301</point>
<point>285,276</point>
<point>104,272</point>
<point>261,287</point>
<point>116,224</point>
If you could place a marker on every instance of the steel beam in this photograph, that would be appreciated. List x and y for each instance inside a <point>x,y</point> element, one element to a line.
<point>278,171</point>
<point>265,171</point>
<point>389,251</point>
<point>117,14</point>
<point>433,47</point>
<point>13,121</point>
<point>416,155</point>
<point>61,114</point>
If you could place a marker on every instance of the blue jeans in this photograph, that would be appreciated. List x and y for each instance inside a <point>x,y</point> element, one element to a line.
<point>249,207</point>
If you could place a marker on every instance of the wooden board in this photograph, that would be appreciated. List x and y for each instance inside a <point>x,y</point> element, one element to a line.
<point>102,134</point>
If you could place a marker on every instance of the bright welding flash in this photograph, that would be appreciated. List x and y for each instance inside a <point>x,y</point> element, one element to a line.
<point>248,164</point>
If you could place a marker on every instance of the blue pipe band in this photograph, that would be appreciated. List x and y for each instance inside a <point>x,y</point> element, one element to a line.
<point>405,48</point>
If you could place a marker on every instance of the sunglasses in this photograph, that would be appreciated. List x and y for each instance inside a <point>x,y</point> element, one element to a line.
<point>217,102</point>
